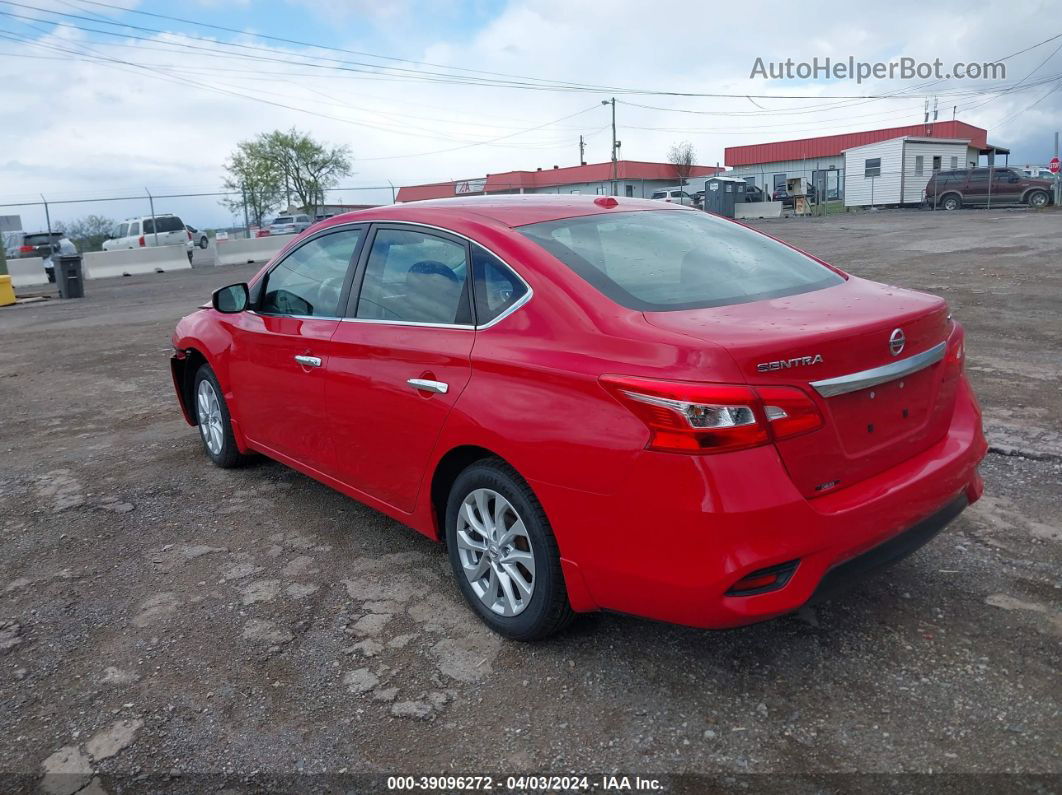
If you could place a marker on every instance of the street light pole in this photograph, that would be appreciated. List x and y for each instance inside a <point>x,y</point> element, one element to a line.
<point>615,175</point>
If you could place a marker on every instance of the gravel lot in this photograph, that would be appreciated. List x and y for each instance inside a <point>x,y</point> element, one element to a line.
<point>171,626</point>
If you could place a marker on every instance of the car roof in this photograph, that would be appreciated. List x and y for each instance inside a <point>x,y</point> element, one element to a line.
<point>509,210</point>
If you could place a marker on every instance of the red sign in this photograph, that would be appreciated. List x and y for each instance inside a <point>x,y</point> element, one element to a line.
<point>1053,165</point>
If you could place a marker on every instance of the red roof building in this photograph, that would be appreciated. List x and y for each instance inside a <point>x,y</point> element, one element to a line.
<point>833,145</point>
<point>633,178</point>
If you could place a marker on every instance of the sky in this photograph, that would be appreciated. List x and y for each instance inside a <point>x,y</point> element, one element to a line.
<point>106,100</point>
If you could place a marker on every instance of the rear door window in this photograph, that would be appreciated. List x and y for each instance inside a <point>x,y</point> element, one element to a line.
<point>149,226</point>
<point>415,277</point>
<point>134,228</point>
<point>123,230</point>
<point>659,260</point>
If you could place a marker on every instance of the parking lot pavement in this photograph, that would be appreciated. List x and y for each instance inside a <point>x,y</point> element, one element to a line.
<point>160,615</point>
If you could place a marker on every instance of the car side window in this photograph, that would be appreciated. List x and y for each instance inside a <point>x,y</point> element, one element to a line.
<point>134,228</point>
<point>497,288</point>
<point>149,226</point>
<point>309,281</point>
<point>123,230</point>
<point>414,277</point>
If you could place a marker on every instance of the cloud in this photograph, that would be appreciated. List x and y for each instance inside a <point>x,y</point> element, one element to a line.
<point>77,128</point>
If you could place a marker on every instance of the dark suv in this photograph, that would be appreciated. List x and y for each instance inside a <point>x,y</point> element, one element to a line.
<point>982,186</point>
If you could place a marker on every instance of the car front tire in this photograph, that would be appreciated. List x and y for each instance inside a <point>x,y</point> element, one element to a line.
<point>504,554</point>
<point>950,203</point>
<point>213,420</point>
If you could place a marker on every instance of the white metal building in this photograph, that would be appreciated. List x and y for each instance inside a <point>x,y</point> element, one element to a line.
<point>821,161</point>
<point>896,171</point>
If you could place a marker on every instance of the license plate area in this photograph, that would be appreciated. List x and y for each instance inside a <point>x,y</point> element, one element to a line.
<point>882,415</point>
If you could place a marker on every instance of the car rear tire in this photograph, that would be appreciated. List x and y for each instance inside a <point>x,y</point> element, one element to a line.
<point>1037,198</point>
<point>504,554</point>
<point>212,417</point>
<point>203,242</point>
<point>951,202</point>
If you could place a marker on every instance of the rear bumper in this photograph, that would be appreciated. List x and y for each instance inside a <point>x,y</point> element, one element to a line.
<point>845,575</point>
<point>681,530</point>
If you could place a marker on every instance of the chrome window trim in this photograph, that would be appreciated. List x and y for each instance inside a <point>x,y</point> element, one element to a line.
<point>853,382</point>
<point>391,221</point>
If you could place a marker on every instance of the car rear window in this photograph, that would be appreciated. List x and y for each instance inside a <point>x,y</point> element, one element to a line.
<point>170,223</point>
<point>660,260</point>
<point>284,219</point>
<point>40,239</point>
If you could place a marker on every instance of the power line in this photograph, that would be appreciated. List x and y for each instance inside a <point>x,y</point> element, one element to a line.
<point>540,85</point>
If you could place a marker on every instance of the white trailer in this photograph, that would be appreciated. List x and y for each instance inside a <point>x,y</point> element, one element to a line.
<point>896,171</point>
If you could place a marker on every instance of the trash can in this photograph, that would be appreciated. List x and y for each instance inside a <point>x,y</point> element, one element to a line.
<point>68,276</point>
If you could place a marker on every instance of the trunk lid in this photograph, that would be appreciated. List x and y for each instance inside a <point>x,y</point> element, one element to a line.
<point>833,332</point>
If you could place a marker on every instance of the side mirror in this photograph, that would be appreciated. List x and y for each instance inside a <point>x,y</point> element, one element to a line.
<point>232,299</point>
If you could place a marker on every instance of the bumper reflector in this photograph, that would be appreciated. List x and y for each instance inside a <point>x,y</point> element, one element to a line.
<point>763,580</point>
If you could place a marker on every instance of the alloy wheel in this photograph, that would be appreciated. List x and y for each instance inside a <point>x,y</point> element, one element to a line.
<point>208,409</point>
<point>495,552</point>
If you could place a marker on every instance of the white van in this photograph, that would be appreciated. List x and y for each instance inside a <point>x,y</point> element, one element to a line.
<point>675,195</point>
<point>165,229</point>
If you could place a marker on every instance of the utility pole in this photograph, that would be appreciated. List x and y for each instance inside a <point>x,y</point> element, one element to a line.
<point>47,217</point>
<point>1058,177</point>
<point>615,143</point>
<point>582,150</point>
<point>154,223</point>
<point>246,219</point>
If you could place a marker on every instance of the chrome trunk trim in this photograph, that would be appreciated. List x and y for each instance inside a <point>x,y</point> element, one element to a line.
<point>853,382</point>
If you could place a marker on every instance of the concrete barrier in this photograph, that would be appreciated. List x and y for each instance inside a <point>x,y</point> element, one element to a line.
<point>256,249</point>
<point>758,210</point>
<point>133,261</point>
<point>28,272</point>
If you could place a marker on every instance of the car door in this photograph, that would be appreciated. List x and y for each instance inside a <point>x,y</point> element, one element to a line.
<point>400,359</point>
<point>976,190</point>
<point>1006,186</point>
<point>279,358</point>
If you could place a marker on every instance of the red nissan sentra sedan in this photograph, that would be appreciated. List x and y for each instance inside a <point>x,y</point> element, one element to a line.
<point>597,403</point>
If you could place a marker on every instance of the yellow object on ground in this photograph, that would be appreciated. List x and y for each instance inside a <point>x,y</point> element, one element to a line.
<point>7,293</point>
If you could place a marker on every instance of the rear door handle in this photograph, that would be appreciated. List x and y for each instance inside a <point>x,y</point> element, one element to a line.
<point>428,386</point>
<point>308,361</point>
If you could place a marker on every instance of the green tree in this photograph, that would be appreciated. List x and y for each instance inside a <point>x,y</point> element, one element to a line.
<point>309,168</point>
<point>88,233</point>
<point>256,184</point>
<point>277,165</point>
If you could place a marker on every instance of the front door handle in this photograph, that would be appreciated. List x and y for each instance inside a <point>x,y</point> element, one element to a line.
<point>308,361</point>
<point>428,386</point>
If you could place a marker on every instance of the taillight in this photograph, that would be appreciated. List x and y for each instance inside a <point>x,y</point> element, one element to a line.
<point>188,233</point>
<point>789,411</point>
<point>25,249</point>
<point>140,241</point>
<point>955,356</point>
<point>685,417</point>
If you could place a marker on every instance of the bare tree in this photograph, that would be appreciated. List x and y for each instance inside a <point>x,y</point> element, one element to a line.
<point>682,157</point>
